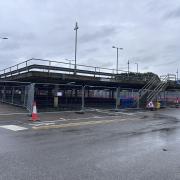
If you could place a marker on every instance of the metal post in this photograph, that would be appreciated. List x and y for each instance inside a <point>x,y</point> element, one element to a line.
<point>117,97</point>
<point>49,67</point>
<point>27,66</point>
<point>138,98</point>
<point>137,67</point>
<point>128,67</point>
<point>4,94</point>
<point>117,64</point>
<point>177,74</point>
<point>69,66</point>
<point>76,28</point>
<point>24,96</point>
<point>83,90</point>
<point>12,100</point>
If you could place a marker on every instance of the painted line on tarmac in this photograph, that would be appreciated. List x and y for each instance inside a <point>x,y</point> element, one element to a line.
<point>41,124</point>
<point>120,112</point>
<point>14,127</point>
<point>11,114</point>
<point>65,120</point>
<point>76,124</point>
<point>110,113</point>
<point>54,112</point>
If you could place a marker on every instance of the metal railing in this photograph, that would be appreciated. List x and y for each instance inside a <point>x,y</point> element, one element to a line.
<point>170,77</point>
<point>160,87</point>
<point>148,86</point>
<point>50,66</point>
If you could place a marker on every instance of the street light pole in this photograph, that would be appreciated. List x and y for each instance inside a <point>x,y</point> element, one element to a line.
<point>76,28</point>
<point>117,63</point>
<point>177,74</point>
<point>137,67</point>
<point>128,66</point>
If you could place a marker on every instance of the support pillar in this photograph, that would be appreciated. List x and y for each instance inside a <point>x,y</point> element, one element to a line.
<point>138,99</point>
<point>117,97</point>
<point>83,92</point>
<point>4,94</point>
<point>12,100</point>
<point>22,96</point>
<point>56,99</point>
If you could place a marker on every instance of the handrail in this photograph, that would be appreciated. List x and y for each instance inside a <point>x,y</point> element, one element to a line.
<point>16,65</point>
<point>59,62</point>
<point>50,62</point>
<point>147,87</point>
<point>158,88</point>
<point>152,96</point>
<point>148,84</point>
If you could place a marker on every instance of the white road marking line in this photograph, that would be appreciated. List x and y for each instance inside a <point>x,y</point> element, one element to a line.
<point>41,124</point>
<point>14,127</point>
<point>11,114</point>
<point>66,120</point>
<point>62,118</point>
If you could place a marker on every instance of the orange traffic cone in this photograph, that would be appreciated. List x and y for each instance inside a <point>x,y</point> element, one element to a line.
<point>34,116</point>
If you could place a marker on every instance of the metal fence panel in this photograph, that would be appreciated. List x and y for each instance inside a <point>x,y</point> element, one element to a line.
<point>22,95</point>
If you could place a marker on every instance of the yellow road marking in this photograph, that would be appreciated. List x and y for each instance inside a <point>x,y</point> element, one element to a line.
<point>75,124</point>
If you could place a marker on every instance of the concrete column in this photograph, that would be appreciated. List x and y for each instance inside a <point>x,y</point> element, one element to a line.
<point>22,96</point>
<point>56,99</point>
<point>83,91</point>
<point>138,99</point>
<point>117,97</point>
<point>4,94</point>
<point>12,100</point>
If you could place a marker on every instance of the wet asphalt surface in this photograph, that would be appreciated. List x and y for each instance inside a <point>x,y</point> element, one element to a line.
<point>144,146</point>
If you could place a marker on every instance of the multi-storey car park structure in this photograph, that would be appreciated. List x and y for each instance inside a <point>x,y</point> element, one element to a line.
<point>56,85</point>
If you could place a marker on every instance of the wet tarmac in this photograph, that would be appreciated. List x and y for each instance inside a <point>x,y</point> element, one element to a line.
<point>145,146</point>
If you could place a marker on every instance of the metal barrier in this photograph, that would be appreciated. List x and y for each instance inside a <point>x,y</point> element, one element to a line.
<point>52,97</point>
<point>18,95</point>
<point>50,66</point>
<point>73,97</point>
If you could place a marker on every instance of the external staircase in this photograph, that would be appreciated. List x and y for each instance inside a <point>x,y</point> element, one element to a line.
<point>151,90</point>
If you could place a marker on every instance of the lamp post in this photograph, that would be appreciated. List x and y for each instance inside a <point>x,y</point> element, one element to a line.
<point>117,63</point>
<point>128,66</point>
<point>76,28</point>
<point>137,66</point>
<point>177,72</point>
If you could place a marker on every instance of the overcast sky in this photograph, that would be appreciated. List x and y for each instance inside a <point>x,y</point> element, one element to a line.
<point>148,30</point>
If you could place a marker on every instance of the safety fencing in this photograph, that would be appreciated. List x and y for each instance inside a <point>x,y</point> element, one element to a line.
<point>57,97</point>
<point>17,94</point>
<point>75,97</point>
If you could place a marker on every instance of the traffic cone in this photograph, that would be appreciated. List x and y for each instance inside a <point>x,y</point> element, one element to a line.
<point>34,116</point>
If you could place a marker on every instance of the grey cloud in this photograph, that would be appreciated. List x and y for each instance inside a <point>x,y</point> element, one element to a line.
<point>173,14</point>
<point>44,29</point>
<point>102,32</point>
